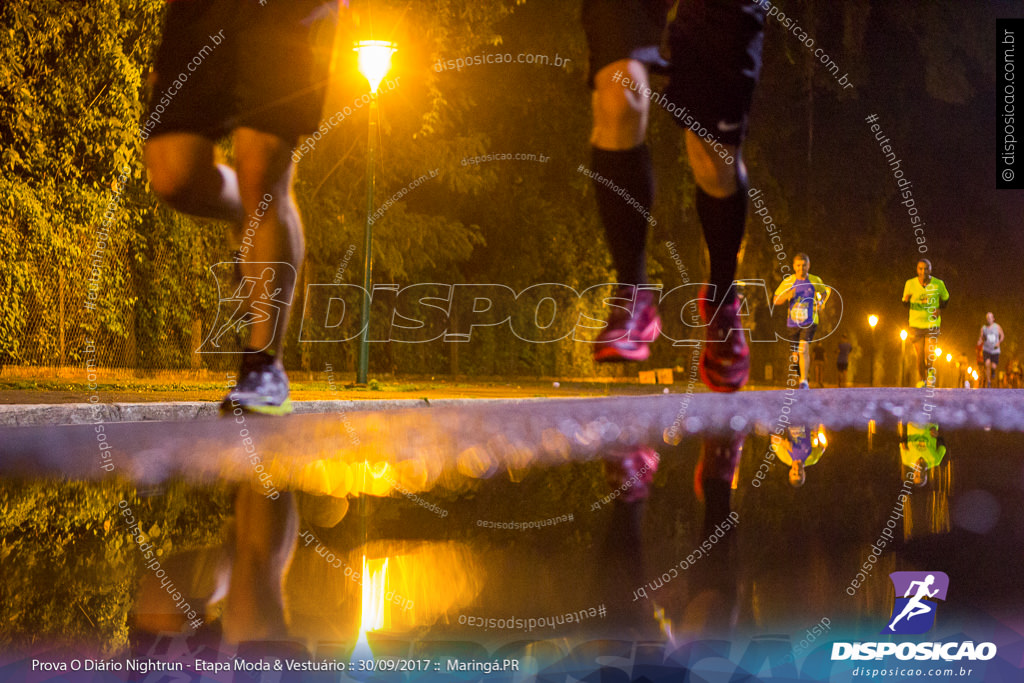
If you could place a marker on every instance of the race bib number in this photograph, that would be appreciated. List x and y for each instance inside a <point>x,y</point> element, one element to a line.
<point>800,312</point>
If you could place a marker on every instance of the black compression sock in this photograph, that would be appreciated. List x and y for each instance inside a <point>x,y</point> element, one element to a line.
<point>625,225</point>
<point>253,360</point>
<point>722,221</point>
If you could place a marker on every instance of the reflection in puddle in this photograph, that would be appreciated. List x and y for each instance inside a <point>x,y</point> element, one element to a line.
<point>787,565</point>
<point>382,586</point>
<point>800,446</point>
<point>923,454</point>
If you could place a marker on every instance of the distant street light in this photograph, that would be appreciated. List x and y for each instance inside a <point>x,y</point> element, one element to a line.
<point>374,60</point>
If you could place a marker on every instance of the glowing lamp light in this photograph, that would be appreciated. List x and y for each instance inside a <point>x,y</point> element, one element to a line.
<point>938,352</point>
<point>949,358</point>
<point>903,335</point>
<point>970,370</point>
<point>375,586</point>
<point>374,60</point>
<point>872,320</point>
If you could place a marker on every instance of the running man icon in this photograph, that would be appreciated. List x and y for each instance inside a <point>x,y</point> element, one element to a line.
<point>916,608</point>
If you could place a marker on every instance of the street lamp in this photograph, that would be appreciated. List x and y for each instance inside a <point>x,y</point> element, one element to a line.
<point>872,321</point>
<point>903,355</point>
<point>374,61</point>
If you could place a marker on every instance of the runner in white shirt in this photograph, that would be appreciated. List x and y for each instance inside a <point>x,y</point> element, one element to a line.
<point>990,338</point>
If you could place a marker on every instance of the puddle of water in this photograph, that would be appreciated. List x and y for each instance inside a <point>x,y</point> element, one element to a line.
<point>544,557</point>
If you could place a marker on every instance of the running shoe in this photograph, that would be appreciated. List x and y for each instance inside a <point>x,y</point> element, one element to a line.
<point>628,333</point>
<point>725,359</point>
<point>804,385</point>
<point>262,388</point>
<point>631,473</point>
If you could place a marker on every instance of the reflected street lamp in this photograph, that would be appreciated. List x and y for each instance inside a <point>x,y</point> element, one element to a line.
<point>374,60</point>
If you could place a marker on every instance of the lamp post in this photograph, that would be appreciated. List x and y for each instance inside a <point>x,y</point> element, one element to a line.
<point>902,356</point>
<point>374,59</point>
<point>872,321</point>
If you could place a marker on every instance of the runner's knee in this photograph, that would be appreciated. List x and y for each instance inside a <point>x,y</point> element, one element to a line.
<point>262,182</point>
<point>711,172</point>
<point>179,168</point>
<point>264,168</point>
<point>176,181</point>
<point>620,108</point>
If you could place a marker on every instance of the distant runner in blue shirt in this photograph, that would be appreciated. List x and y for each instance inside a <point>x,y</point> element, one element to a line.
<point>805,294</point>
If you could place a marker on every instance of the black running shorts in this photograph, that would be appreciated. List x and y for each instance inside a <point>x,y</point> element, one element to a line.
<point>715,53</point>
<point>798,334</point>
<point>225,64</point>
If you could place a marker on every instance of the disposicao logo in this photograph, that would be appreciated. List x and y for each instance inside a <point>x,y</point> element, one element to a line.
<point>913,612</point>
<point>914,608</point>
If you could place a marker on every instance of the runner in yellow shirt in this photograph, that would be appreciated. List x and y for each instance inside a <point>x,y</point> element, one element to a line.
<point>921,449</point>
<point>924,296</point>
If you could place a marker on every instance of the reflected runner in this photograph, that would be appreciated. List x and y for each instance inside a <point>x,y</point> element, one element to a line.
<point>800,447</point>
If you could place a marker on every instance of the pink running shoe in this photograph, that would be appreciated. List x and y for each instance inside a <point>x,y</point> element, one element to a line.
<point>628,334</point>
<point>725,359</point>
<point>631,472</point>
